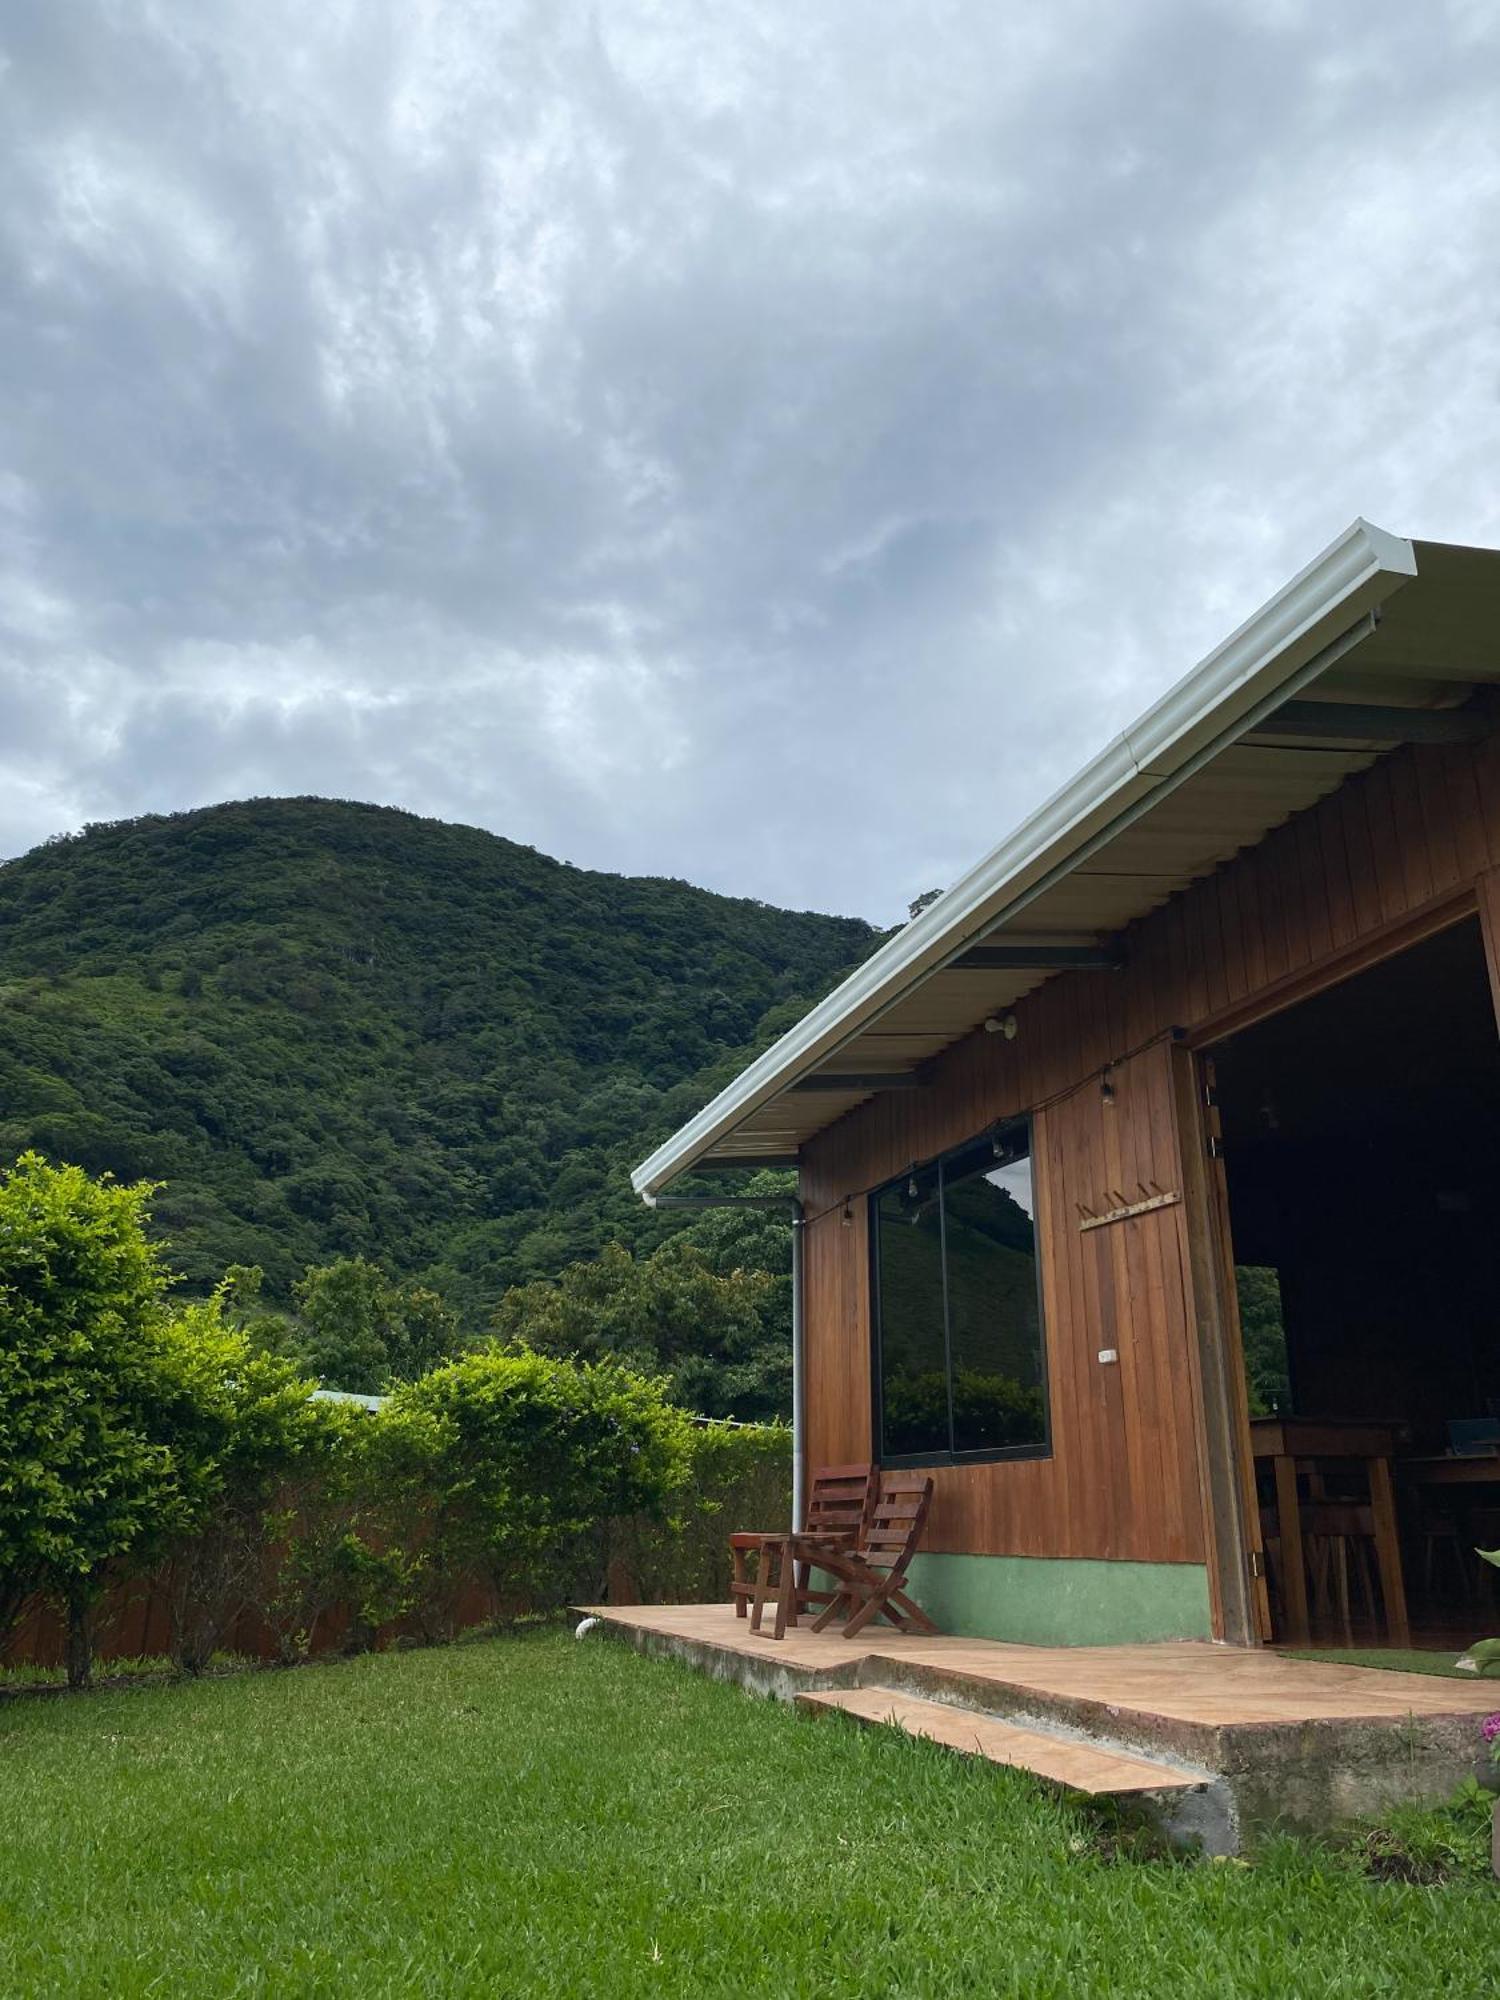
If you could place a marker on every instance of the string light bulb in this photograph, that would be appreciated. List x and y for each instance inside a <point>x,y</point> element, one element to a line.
<point>1107,1087</point>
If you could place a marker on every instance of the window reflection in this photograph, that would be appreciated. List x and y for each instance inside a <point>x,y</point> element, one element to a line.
<point>959,1321</point>
<point>913,1355</point>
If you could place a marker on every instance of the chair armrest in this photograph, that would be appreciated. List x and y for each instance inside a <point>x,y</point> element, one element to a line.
<point>744,1540</point>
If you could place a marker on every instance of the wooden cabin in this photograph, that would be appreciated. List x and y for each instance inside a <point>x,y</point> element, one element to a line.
<point>1149,1177</point>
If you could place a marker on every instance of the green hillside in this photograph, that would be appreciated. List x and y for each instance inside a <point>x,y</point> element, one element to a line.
<point>336,1029</point>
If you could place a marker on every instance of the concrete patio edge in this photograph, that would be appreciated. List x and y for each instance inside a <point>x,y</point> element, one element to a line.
<point>1301,1772</point>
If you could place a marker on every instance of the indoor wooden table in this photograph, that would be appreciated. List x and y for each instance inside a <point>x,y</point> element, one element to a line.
<point>1453,1468</point>
<point>1289,1441</point>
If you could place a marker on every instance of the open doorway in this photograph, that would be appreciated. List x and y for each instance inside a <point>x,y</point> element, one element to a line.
<point>1361,1146</point>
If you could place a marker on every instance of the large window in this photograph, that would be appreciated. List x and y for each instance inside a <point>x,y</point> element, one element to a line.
<point>960,1367</point>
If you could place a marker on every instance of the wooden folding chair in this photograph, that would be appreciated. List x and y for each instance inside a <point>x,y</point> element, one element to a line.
<point>869,1579</point>
<point>838,1510</point>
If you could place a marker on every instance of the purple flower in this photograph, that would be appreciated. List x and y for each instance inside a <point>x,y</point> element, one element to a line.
<point>1490,1728</point>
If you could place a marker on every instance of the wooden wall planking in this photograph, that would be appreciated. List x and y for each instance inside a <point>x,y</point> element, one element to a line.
<point>1122,1479</point>
<point>1404,847</point>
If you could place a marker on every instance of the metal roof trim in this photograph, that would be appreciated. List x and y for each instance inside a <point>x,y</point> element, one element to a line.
<point>1349,579</point>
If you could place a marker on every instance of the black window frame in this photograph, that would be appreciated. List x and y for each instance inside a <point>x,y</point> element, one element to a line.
<point>993,1136</point>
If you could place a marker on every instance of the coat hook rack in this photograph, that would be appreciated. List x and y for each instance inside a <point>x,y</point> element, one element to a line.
<point>1127,1208</point>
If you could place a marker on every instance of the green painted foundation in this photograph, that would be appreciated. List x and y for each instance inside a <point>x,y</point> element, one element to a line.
<point>1042,1601</point>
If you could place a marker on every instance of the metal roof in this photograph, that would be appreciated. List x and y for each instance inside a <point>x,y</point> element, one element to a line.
<point>1378,641</point>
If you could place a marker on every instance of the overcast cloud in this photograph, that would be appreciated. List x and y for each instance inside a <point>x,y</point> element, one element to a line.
<point>770,444</point>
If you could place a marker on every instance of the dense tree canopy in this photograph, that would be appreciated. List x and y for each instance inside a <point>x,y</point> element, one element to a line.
<point>358,1330</point>
<point>343,1032</point>
<point>670,1311</point>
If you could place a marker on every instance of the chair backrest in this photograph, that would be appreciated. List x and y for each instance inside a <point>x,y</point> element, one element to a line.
<point>896,1520</point>
<point>839,1502</point>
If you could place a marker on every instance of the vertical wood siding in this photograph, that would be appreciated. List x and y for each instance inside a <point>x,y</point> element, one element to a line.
<point>1408,845</point>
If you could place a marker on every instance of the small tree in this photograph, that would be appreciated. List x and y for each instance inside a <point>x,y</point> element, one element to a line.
<point>244,1307</point>
<point>362,1331</point>
<point>521,1462</point>
<point>671,1313</point>
<point>348,1309</point>
<point>425,1333</point>
<point>84,1372</point>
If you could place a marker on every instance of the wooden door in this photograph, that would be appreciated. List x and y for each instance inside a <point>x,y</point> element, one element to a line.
<point>1232,1536</point>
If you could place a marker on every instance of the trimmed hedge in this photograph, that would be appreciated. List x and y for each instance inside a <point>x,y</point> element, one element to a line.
<point>341,1560</point>
<point>739,1476</point>
<point>150,1445</point>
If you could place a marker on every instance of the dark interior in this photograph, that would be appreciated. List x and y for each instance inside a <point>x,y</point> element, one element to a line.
<point>1362,1150</point>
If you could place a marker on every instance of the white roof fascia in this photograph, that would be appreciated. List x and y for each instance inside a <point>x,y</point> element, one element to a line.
<point>1249,672</point>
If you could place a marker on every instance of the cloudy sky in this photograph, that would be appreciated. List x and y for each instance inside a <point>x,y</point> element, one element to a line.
<point>767,443</point>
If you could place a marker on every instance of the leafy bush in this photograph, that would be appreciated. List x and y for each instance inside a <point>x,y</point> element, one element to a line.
<point>339,1540</point>
<point>1430,1843</point>
<point>242,1425</point>
<point>519,1461</point>
<point>739,1476</point>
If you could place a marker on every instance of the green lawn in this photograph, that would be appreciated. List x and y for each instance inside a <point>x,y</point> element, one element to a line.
<point>541,1816</point>
<point>1390,1660</point>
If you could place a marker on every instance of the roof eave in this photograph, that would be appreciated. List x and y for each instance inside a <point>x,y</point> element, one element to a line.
<point>1349,579</point>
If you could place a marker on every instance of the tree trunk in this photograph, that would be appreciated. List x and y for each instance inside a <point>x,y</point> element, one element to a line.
<point>80,1639</point>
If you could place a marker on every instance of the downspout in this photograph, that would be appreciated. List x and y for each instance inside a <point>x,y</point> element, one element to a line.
<point>799,1359</point>
<point>799,1374</point>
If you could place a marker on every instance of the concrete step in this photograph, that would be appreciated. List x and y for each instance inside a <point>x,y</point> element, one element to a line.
<point>1081,1766</point>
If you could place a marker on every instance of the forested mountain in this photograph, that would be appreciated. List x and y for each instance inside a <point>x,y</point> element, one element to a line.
<point>337,1029</point>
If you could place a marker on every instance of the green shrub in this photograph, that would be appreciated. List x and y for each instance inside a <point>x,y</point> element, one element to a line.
<point>240,1427</point>
<point>738,1477</point>
<point>517,1463</point>
<point>335,1540</point>
<point>1427,1844</point>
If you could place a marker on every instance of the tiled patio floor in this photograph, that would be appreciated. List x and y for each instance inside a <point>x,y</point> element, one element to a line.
<point>1211,1686</point>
